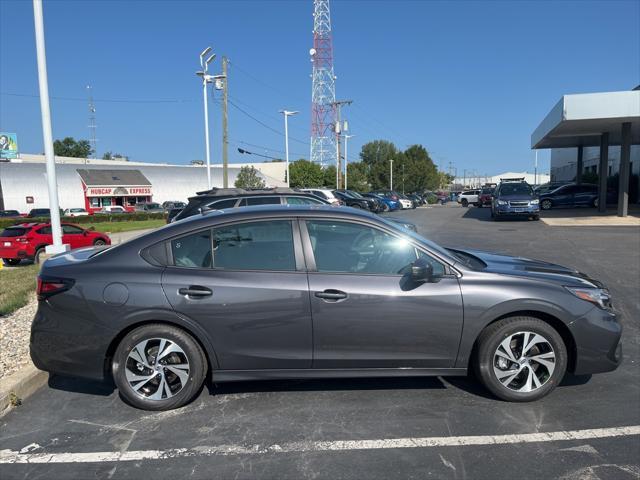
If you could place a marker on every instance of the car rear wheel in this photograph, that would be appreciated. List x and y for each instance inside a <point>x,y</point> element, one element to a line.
<point>520,359</point>
<point>38,257</point>
<point>11,262</point>
<point>99,242</point>
<point>385,207</point>
<point>465,202</point>
<point>546,204</point>
<point>158,367</point>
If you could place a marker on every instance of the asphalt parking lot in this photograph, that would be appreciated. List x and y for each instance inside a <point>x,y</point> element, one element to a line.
<point>367,428</point>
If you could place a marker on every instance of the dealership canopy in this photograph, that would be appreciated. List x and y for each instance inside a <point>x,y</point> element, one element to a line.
<point>608,118</point>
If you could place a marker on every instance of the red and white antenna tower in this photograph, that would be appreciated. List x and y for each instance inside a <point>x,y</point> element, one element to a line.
<point>323,88</point>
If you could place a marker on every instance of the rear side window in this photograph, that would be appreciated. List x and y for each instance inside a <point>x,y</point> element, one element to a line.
<point>14,232</point>
<point>44,230</point>
<point>192,251</point>
<point>251,201</point>
<point>255,246</point>
<point>228,203</point>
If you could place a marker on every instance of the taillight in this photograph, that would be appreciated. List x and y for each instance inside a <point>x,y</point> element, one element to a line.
<point>49,286</point>
<point>21,240</point>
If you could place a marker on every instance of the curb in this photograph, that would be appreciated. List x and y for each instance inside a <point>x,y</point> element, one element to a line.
<point>21,384</point>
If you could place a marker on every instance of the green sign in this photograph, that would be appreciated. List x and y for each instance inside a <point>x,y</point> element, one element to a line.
<point>8,145</point>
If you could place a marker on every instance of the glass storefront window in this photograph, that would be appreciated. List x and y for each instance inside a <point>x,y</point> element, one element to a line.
<point>106,202</point>
<point>95,202</point>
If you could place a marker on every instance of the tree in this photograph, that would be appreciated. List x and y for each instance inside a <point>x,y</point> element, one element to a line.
<point>357,177</point>
<point>420,173</point>
<point>305,174</point>
<point>329,176</point>
<point>376,156</point>
<point>114,156</point>
<point>249,177</point>
<point>69,147</point>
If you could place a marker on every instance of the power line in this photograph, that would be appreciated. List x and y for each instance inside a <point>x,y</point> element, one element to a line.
<point>101,100</point>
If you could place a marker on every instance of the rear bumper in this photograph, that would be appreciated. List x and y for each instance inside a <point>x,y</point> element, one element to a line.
<point>598,342</point>
<point>14,253</point>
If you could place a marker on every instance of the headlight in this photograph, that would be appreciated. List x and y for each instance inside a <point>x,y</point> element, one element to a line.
<point>597,296</point>
<point>535,202</point>
<point>502,202</point>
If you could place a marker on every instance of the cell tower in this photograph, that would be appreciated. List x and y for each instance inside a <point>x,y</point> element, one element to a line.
<point>323,87</point>
<point>92,121</point>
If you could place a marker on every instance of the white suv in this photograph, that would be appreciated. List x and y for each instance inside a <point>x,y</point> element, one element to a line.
<point>469,197</point>
<point>325,193</point>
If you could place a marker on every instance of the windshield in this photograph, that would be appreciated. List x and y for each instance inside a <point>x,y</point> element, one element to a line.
<point>353,194</point>
<point>516,189</point>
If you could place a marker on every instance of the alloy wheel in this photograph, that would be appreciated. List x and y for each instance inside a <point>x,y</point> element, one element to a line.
<point>157,369</point>
<point>546,204</point>
<point>524,362</point>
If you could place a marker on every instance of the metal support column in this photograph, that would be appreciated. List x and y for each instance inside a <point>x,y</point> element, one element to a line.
<point>579,165</point>
<point>625,158</point>
<point>603,171</point>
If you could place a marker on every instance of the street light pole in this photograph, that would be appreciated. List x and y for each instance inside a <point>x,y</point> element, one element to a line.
<point>287,114</point>
<point>346,157</point>
<point>391,174</point>
<point>205,66</point>
<point>535,170</point>
<point>54,206</point>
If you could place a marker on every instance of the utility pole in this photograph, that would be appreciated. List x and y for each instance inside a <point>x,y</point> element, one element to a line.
<point>535,170</point>
<point>338,107</point>
<point>391,174</point>
<point>45,111</point>
<point>464,179</point>
<point>92,122</point>
<point>346,157</point>
<point>403,178</point>
<point>225,125</point>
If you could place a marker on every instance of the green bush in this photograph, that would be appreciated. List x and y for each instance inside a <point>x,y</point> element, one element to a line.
<point>115,217</point>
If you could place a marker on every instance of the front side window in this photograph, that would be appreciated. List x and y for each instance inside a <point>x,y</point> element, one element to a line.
<point>45,230</point>
<point>193,250</point>
<point>255,246</point>
<point>302,201</point>
<point>70,229</point>
<point>352,248</point>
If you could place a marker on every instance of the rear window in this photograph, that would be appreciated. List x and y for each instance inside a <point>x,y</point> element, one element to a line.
<point>14,232</point>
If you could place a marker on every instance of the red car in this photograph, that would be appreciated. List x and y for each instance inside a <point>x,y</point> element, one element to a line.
<point>28,240</point>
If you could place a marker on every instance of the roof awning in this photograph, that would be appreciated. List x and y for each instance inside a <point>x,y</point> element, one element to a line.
<point>580,120</point>
<point>113,178</point>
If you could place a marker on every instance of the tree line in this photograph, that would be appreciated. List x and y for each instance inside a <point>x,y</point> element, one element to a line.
<point>413,169</point>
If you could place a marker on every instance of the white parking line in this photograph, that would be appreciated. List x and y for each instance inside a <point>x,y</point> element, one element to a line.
<point>11,456</point>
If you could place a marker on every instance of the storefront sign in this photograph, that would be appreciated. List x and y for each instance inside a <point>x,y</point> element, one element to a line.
<point>118,191</point>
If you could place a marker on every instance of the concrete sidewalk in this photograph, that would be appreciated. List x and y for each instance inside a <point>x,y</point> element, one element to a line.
<point>590,217</point>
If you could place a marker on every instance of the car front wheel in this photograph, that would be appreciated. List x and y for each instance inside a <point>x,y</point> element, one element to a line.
<point>158,367</point>
<point>99,242</point>
<point>465,202</point>
<point>546,204</point>
<point>520,359</point>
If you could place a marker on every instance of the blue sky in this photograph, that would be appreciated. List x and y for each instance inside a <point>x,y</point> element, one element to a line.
<point>468,80</point>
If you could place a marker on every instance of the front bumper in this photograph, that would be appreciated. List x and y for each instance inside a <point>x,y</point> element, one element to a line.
<point>597,336</point>
<point>508,210</point>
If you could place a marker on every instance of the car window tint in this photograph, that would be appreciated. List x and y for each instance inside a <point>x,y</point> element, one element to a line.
<point>228,203</point>
<point>302,201</point>
<point>70,229</point>
<point>263,201</point>
<point>14,232</point>
<point>353,248</point>
<point>255,246</point>
<point>45,231</point>
<point>193,251</point>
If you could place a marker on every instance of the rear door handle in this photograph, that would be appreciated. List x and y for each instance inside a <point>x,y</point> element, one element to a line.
<point>331,295</point>
<point>195,291</point>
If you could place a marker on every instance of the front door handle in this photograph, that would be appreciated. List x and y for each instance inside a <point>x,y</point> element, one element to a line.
<point>331,295</point>
<point>195,291</point>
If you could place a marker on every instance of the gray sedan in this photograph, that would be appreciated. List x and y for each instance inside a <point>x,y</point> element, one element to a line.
<point>307,292</point>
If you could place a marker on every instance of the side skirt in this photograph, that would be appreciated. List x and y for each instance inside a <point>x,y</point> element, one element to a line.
<point>219,376</point>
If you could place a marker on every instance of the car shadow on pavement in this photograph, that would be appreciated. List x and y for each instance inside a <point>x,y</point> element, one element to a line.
<point>483,214</point>
<point>80,385</point>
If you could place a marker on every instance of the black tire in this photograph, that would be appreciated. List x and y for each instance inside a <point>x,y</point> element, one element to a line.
<point>191,350</point>
<point>536,217</point>
<point>38,256</point>
<point>11,262</point>
<point>491,338</point>
<point>99,242</point>
<point>464,202</point>
<point>546,204</point>
<point>385,207</point>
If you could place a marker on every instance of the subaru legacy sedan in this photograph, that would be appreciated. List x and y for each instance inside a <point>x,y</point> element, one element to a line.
<point>313,291</point>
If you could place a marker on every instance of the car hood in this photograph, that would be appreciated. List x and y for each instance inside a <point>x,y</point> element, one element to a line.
<point>535,269</point>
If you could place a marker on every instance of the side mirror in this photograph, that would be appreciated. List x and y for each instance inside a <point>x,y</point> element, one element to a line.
<point>421,271</point>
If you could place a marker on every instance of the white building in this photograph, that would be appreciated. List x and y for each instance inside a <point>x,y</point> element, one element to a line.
<point>477,181</point>
<point>23,182</point>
